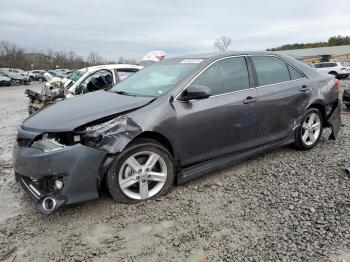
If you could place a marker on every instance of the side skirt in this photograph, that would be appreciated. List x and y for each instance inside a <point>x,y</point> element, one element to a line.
<point>204,168</point>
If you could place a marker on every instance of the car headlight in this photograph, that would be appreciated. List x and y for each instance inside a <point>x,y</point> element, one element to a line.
<point>104,127</point>
<point>47,144</point>
<point>96,134</point>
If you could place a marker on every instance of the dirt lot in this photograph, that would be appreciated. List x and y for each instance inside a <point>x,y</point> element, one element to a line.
<point>285,205</point>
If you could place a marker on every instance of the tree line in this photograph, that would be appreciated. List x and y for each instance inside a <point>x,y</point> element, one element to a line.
<point>332,41</point>
<point>13,56</point>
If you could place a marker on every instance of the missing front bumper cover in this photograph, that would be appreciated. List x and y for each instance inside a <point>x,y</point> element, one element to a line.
<point>46,203</point>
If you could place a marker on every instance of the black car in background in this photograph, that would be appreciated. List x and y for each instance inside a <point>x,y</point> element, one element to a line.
<point>37,75</point>
<point>16,79</point>
<point>173,121</point>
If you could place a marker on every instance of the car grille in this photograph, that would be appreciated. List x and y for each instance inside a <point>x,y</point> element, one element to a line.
<point>24,142</point>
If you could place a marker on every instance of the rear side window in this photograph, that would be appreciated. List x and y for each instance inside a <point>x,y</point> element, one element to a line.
<point>225,76</point>
<point>294,74</point>
<point>270,70</point>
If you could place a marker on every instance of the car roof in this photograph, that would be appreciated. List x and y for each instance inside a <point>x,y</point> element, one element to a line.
<point>225,54</point>
<point>114,66</point>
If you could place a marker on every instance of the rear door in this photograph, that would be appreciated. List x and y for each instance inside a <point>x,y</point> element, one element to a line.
<point>283,94</point>
<point>223,123</point>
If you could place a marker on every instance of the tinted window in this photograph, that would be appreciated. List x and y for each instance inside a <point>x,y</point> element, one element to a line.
<point>328,65</point>
<point>294,74</point>
<point>317,65</point>
<point>270,70</point>
<point>224,76</point>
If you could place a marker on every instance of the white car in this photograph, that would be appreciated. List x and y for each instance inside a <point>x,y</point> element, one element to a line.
<point>93,78</point>
<point>338,69</point>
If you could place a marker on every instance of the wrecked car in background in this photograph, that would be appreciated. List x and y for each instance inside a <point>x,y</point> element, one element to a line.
<point>172,122</point>
<point>79,82</point>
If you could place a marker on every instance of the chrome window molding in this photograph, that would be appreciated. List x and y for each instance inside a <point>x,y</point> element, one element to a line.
<point>229,93</point>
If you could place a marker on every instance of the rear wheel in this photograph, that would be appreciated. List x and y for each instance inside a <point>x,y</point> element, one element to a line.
<point>308,134</point>
<point>40,79</point>
<point>142,171</point>
<point>12,83</point>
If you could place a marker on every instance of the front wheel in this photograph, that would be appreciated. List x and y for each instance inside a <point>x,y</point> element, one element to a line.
<point>144,170</point>
<point>308,134</point>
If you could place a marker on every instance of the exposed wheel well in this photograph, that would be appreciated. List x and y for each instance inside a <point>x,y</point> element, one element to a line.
<point>159,138</point>
<point>333,73</point>
<point>322,109</point>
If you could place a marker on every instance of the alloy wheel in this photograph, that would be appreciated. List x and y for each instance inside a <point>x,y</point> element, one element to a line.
<point>311,129</point>
<point>142,175</point>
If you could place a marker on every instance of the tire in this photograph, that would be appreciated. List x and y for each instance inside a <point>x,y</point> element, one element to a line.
<point>40,79</point>
<point>12,83</point>
<point>141,150</point>
<point>304,141</point>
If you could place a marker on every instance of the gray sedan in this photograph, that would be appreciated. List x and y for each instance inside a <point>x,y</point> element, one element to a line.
<point>173,121</point>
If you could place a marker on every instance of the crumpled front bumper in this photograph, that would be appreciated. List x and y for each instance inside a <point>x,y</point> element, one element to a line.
<point>76,166</point>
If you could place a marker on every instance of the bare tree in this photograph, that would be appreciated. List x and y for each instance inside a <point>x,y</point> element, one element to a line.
<point>16,57</point>
<point>94,59</point>
<point>222,43</point>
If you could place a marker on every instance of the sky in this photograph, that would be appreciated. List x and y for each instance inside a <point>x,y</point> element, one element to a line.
<point>115,28</point>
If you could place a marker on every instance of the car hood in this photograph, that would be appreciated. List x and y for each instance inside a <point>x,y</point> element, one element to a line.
<point>74,112</point>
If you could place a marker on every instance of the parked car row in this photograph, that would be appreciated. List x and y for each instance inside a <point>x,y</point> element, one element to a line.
<point>10,77</point>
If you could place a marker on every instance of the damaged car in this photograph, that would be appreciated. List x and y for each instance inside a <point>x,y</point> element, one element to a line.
<point>79,82</point>
<point>173,121</point>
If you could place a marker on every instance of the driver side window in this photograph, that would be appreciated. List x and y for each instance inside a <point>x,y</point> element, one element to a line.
<point>102,79</point>
<point>225,76</point>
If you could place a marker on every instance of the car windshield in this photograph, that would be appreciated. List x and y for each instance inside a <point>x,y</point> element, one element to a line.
<point>125,74</point>
<point>156,79</point>
<point>76,75</point>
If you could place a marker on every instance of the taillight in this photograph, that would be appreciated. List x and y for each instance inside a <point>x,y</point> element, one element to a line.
<point>337,84</point>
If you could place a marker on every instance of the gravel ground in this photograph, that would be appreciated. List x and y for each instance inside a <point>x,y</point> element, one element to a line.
<point>285,205</point>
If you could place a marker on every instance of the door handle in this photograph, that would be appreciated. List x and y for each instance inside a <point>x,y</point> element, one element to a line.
<point>249,100</point>
<point>305,89</point>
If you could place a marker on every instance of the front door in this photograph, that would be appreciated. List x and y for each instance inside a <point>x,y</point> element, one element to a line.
<point>225,122</point>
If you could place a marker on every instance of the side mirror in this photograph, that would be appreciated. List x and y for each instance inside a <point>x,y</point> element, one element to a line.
<point>196,92</point>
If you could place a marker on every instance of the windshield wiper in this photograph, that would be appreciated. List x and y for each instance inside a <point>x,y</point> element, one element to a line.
<point>124,93</point>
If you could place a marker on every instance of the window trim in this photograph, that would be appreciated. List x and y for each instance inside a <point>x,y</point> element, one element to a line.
<point>217,60</point>
<point>280,58</point>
